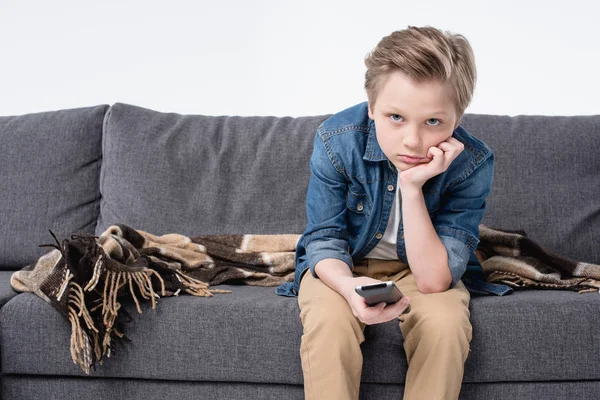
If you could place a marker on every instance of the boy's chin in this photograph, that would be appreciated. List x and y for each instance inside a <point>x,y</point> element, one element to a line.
<point>403,166</point>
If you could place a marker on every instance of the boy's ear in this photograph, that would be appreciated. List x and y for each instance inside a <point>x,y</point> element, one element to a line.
<point>370,112</point>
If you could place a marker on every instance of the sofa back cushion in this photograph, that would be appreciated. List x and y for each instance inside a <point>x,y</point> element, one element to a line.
<point>194,174</point>
<point>50,167</point>
<point>546,180</point>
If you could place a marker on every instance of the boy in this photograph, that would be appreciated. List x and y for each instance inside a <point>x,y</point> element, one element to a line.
<point>397,192</point>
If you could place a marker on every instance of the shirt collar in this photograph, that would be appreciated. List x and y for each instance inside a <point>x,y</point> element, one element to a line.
<point>373,152</point>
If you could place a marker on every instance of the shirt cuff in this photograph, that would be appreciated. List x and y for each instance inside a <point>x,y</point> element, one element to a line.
<point>458,257</point>
<point>465,237</point>
<point>332,248</point>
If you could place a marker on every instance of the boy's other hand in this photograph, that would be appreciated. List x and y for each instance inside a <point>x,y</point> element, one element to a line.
<point>441,156</point>
<point>371,315</point>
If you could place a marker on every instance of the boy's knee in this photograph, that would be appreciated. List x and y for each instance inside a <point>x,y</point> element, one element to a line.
<point>445,319</point>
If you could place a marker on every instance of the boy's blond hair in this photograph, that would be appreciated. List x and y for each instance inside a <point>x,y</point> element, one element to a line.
<point>423,54</point>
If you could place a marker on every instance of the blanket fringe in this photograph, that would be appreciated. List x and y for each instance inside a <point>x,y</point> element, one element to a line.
<point>96,276</point>
<point>63,286</point>
<point>196,287</point>
<point>92,338</point>
<point>80,342</point>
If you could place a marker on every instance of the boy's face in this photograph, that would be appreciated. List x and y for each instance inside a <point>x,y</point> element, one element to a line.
<point>411,117</point>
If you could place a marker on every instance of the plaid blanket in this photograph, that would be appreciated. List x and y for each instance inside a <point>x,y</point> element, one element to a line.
<point>88,278</point>
<point>514,259</point>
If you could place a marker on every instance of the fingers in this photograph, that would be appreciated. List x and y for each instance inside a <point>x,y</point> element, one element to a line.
<point>445,152</point>
<point>451,145</point>
<point>381,313</point>
<point>395,310</point>
<point>370,315</point>
<point>433,152</point>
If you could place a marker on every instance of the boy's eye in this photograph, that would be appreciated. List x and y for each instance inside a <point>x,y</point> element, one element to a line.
<point>430,121</point>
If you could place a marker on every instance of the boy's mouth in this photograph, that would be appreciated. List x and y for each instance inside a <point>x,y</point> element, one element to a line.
<point>410,159</point>
<point>411,156</point>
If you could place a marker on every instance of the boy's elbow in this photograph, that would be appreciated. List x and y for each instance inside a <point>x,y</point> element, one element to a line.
<point>438,286</point>
<point>429,289</point>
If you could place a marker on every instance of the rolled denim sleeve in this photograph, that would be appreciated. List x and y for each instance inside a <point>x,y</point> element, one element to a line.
<point>330,248</point>
<point>458,257</point>
<point>326,234</point>
<point>457,221</point>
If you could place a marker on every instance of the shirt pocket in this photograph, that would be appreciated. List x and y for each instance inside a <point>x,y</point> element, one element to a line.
<point>359,209</point>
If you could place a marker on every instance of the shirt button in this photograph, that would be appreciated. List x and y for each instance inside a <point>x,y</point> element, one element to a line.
<point>360,207</point>
<point>391,188</point>
<point>379,236</point>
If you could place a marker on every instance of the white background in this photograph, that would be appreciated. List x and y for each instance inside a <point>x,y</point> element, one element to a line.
<point>284,57</point>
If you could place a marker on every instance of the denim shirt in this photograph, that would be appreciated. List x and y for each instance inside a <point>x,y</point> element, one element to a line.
<point>352,187</point>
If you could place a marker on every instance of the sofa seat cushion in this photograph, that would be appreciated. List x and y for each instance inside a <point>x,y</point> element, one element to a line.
<point>50,179</point>
<point>252,335</point>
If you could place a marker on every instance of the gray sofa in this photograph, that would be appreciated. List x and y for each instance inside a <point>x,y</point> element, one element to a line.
<point>81,170</point>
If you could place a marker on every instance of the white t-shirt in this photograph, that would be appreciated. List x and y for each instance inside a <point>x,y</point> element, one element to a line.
<point>386,249</point>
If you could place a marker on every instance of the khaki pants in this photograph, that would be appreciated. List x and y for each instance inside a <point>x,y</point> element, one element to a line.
<point>437,333</point>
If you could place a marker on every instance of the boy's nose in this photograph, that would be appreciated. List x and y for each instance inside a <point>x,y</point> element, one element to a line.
<point>410,138</point>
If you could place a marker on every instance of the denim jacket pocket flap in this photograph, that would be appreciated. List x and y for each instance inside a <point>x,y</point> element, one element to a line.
<point>358,203</point>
